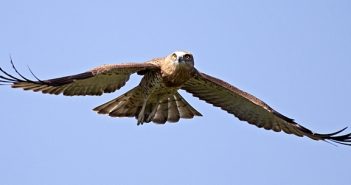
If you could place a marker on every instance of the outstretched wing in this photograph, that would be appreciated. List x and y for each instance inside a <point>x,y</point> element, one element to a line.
<point>249,108</point>
<point>102,79</point>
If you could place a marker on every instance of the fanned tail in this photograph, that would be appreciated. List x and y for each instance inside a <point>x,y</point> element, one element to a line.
<point>133,104</point>
<point>172,109</point>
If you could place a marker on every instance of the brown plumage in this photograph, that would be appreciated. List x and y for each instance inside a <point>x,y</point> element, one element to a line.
<point>156,98</point>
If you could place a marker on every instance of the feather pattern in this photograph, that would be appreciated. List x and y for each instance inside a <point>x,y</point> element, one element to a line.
<point>252,110</point>
<point>102,79</point>
<point>130,104</point>
<point>173,108</point>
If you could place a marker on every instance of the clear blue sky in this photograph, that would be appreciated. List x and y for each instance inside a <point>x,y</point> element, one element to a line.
<point>295,55</point>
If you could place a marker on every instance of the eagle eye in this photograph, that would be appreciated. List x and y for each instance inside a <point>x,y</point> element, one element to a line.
<point>187,57</point>
<point>174,56</point>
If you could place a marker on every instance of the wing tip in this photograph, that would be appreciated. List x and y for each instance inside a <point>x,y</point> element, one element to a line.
<point>8,79</point>
<point>344,139</point>
<point>336,137</point>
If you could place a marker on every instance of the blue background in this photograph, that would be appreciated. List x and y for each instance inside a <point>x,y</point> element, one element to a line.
<point>293,54</point>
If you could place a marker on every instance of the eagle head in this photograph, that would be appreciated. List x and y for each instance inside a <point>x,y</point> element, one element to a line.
<point>182,58</point>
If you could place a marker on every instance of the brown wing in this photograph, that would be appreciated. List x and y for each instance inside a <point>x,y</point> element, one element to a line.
<point>102,79</point>
<point>249,108</point>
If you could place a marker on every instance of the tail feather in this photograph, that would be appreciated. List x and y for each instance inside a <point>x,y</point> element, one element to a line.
<point>172,109</point>
<point>173,113</point>
<point>186,110</point>
<point>126,105</point>
<point>161,114</point>
<point>130,104</point>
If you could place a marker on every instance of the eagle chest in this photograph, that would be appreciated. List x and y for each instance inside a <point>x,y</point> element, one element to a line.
<point>177,78</point>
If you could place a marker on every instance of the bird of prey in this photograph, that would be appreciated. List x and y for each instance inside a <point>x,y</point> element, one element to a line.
<point>156,98</point>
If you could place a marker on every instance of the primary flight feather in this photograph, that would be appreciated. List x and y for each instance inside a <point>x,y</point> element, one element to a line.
<point>156,98</point>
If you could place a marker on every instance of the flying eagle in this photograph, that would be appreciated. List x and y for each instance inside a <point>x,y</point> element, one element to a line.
<point>156,98</point>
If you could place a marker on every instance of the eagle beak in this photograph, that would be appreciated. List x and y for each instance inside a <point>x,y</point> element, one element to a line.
<point>181,59</point>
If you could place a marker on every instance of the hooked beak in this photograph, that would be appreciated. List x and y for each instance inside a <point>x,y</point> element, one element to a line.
<point>181,59</point>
